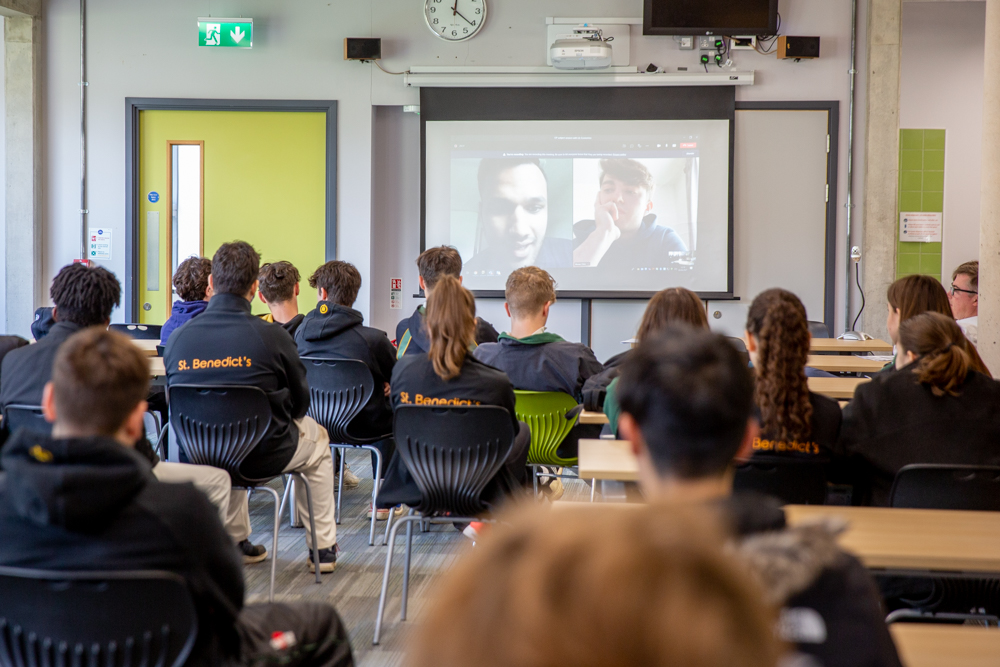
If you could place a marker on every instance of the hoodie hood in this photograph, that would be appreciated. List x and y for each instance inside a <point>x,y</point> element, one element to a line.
<point>327,321</point>
<point>418,332</point>
<point>188,309</point>
<point>77,484</point>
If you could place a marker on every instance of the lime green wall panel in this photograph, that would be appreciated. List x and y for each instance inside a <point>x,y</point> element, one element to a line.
<point>921,189</point>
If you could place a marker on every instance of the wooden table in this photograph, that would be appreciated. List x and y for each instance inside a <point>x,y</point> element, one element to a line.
<point>922,645</point>
<point>920,540</point>
<point>608,459</point>
<point>593,418</point>
<point>838,388</point>
<point>851,346</point>
<point>147,346</point>
<point>844,364</point>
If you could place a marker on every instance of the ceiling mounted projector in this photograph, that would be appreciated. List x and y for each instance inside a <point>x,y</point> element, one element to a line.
<point>586,50</point>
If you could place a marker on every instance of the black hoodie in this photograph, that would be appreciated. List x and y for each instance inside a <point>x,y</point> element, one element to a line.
<point>92,504</point>
<point>333,331</point>
<point>411,334</point>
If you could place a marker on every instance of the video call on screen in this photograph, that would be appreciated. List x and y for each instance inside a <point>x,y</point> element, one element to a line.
<point>604,206</point>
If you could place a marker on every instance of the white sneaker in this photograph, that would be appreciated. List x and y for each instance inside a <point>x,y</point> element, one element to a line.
<point>382,514</point>
<point>351,480</point>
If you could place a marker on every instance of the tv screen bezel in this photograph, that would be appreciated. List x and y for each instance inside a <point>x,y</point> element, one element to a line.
<point>649,29</point>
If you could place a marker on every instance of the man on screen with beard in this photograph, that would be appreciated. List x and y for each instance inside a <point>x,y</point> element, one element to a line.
<point>514,219</point>
<point>624,234</point>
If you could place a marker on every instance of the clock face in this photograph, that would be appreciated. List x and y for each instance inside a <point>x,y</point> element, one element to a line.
<point>455,20</point>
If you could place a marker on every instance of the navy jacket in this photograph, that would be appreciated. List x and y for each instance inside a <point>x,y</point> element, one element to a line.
<point>181,313</point>
<point>226,344</point>
<point>411,335</point>
<point>650,247</point>
<point>337,332</point>
<point>91,504</point>
<point>25,371</point>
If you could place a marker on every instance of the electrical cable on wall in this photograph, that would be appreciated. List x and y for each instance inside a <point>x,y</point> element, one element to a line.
<point>379,65</point>
<point>773,39</point>
<point>857,277</point>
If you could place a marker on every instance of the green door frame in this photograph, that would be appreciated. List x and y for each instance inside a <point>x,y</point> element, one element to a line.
<point>133,105</point>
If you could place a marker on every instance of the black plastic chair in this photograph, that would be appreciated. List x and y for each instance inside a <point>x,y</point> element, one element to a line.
<point>28,417</point>
<point>219,426</point>
<point>452,453</point>
<point>741,347</point>
<point>338,390</point>
<point>947,487</point>
<point>138,331</point>
<point>818,329</point>
<point>119,619</point>
<point>793,481</point>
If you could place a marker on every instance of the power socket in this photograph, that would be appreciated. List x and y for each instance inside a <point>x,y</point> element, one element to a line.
<point>685,42</point>
<point>709,43</point>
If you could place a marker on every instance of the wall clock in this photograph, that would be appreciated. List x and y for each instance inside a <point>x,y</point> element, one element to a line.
<point>455,20</point>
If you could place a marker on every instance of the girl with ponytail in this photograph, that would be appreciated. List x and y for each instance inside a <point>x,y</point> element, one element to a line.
<point>448,375</point>
<point>936,408</point>
<point>793,420</point>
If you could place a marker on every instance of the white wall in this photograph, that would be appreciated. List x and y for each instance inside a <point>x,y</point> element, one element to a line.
<point>941,86</point>
<point>143,48</point>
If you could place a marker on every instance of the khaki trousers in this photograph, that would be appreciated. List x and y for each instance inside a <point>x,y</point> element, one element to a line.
<point>216,484</point>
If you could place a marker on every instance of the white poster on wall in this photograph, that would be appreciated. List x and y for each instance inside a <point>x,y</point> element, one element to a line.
<point>100,243</point>
<point>917,227</point>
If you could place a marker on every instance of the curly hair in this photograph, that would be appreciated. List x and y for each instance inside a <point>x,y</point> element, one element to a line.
<point>674,305</point>
<point>191,278</point>
<point>778,320</point>
<point>85,295</point>
<point>278,281</point>
<point>341,280</point>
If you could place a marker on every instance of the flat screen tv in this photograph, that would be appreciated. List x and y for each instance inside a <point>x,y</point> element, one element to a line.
<point>710,17</point>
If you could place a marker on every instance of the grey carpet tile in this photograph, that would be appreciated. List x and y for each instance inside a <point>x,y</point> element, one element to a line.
<point>353,589</point>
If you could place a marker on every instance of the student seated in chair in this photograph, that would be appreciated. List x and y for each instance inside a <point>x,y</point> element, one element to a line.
<point>191,283</point>
<point>279,291</point>
<point>84,499</point>
<point>448,374</point>
<point>964,297</point>
<point>433,264</point>
<point>935,408</point>
<point>84,297</point>
<point>793,420</point>
<point>687,408</point>
<point>334,330</point>
<point>227,345</point>
<point>536,359</point>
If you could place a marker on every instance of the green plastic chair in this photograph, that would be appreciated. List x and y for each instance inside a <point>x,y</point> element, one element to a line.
<point>545,412</point>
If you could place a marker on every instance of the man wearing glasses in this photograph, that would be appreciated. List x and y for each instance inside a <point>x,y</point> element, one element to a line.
<point>964,297</point>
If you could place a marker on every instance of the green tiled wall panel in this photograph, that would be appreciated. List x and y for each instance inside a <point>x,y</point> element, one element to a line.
<point>921,188</point>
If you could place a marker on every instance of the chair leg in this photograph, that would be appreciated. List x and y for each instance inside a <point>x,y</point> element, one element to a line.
<point>534,479</point>
<point>312,522</point>
<point>593,489</point>
<point>376,479</point>
<point>406,568</point>
<point>274,543</point>
<point>340,485</point>
<point>388,525</point>
<point>385,575</point>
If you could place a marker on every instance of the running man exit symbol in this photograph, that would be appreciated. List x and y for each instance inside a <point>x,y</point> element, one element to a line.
<point>232,33</point>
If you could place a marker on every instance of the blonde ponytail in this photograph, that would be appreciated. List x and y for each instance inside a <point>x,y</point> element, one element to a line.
<point>451,326</point>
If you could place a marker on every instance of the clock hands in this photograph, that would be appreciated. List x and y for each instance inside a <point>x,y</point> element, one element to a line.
<point>465,19</point>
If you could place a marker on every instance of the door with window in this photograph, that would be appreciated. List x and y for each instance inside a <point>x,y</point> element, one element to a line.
<point>209,177</point>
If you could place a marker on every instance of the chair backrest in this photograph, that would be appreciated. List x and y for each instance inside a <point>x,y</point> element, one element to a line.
<point>219,425</point>
<point>947,487</point>
<point>545,413</point>
<point>112,619</point>
<point>338,390</point>
<point>741,347</point>
<point>791,480</point>
<point>818,329</point>
<point>452,453</point>
<point>138,331</point>
<point>29,417</point>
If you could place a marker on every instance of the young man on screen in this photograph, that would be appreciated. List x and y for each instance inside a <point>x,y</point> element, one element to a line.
<point>624,233</point>
<point>534,358</point>
<point>84,499</point>
<point>411,336</point>
<point>687,408</point>
<point>514,218</point>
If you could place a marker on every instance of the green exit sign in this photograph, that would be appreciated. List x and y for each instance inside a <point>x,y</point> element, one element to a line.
<point>230,33</point>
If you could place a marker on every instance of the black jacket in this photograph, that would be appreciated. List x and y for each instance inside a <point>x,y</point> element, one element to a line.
<point>894,421</point>
<point>91,504</point>
<point>411,335</point>
<point>830,606</point>
<point>333,331</point>
<point>595,389</point>
<point>542,362</point>
<point>650,247</point>
<point>227,345</point>
<point>414,382</point>
<point>825,429</point>
<point>9,344</point>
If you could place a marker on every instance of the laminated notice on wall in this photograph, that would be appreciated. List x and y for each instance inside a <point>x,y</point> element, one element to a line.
<point>920,227</point>
<point>100,243</point>
<point>396,294</point>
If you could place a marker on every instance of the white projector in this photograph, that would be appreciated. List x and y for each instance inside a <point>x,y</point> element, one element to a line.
<point>580,53</point>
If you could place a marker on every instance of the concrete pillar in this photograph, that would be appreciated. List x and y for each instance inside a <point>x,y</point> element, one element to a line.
<point>878,268</point>
<point>989,222</point>
<point>22,49</point>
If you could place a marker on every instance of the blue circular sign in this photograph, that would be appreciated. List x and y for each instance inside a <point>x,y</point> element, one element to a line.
<point>154,197</point>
